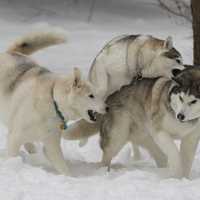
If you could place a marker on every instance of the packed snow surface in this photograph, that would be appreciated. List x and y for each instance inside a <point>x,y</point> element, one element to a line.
<point>31,177</point>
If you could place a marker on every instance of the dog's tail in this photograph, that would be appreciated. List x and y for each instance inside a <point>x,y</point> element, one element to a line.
<point>35,41</point>
<point>80,130</point>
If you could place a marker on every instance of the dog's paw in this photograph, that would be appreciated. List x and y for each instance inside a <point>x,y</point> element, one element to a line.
<point>30,148</point>
<point>83,142</point>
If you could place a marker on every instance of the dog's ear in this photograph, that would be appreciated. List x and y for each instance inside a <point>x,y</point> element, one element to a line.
<point>184,79</point>
<point>77,78</point>
<point>177,80</point>
<point>168,43</point>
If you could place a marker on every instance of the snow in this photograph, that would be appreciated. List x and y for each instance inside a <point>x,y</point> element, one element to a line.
<point>31,177</point>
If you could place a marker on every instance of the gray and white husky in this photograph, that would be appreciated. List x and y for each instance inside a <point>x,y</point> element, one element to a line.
<point>35,104</point>
<point>152,113</point>
<point>129,56</point>
<point>124,58</point>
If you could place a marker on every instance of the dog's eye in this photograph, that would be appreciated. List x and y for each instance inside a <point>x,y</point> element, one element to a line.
<point>193,102</point>
<point>181,99</point>
<point>91,96</point>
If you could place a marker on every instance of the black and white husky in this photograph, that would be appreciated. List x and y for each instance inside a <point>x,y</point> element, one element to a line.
<point>152,113</point>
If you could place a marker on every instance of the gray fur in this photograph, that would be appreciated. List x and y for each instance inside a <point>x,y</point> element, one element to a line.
<point>172,53</point>
<point>189,82</point>
<point>141,113</point>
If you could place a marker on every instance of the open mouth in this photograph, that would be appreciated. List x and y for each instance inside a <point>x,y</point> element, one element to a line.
<point>92,115</point>
<point>190,121</point>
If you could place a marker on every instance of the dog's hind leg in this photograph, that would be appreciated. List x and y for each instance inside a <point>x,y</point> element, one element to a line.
<point>53,151</point>
<point>112,149</point>
<point>114,137</point>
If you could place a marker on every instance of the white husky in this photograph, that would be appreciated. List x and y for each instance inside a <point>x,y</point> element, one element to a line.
<point>35,103</point>
<point>129,56</point>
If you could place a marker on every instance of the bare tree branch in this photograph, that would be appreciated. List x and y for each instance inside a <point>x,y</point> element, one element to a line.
<point>179,8</point>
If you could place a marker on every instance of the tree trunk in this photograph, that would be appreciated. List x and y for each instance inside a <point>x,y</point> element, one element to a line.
<point>195,7</point>
<point>91,11</point>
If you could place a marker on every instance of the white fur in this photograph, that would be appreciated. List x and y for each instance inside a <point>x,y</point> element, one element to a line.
<point>186,107</point>
<point>26,101</point>
<point>110,70</point>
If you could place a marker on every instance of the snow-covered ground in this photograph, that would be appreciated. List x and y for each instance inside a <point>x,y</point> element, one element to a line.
<point>30,177</point>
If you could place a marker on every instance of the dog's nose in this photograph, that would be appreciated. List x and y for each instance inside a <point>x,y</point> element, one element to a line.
<point>107,109</point>
<point>181,117</point>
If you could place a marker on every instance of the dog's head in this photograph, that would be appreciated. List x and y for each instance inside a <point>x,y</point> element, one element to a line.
<point>185,95</point>
<point>84,99</point>
<point>167,61</point>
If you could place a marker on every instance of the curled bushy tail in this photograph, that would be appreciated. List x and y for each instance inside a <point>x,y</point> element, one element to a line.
<point>35,41</point>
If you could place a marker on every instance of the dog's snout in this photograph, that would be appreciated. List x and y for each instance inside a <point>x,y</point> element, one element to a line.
<point>107,109</point>
<point>92,115</point>
<point>181,116</point>
<point>176,72</point>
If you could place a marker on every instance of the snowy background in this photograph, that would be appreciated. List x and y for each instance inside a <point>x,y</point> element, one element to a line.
<point>30,177</point>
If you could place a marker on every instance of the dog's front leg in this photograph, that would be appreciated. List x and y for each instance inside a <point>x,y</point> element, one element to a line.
<point>169,148</point>
<point>154,150</point>
<point>54,153</point>
<point>188,149</point>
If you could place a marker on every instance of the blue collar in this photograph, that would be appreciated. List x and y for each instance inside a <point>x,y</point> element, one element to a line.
<point>59,113</point>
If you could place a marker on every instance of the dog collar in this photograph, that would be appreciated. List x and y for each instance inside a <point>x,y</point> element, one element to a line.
<point>63,124</point>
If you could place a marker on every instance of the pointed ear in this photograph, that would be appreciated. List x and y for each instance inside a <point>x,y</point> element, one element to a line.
<point>77,77</point>
<point>177,80</point>
<point>168,43</point>
<point>184,79</point>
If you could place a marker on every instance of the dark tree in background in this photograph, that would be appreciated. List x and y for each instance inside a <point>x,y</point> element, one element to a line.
<point>195,7</point>
<point>190,11</point>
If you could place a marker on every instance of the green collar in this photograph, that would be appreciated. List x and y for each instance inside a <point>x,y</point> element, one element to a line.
<point>59,113</point>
